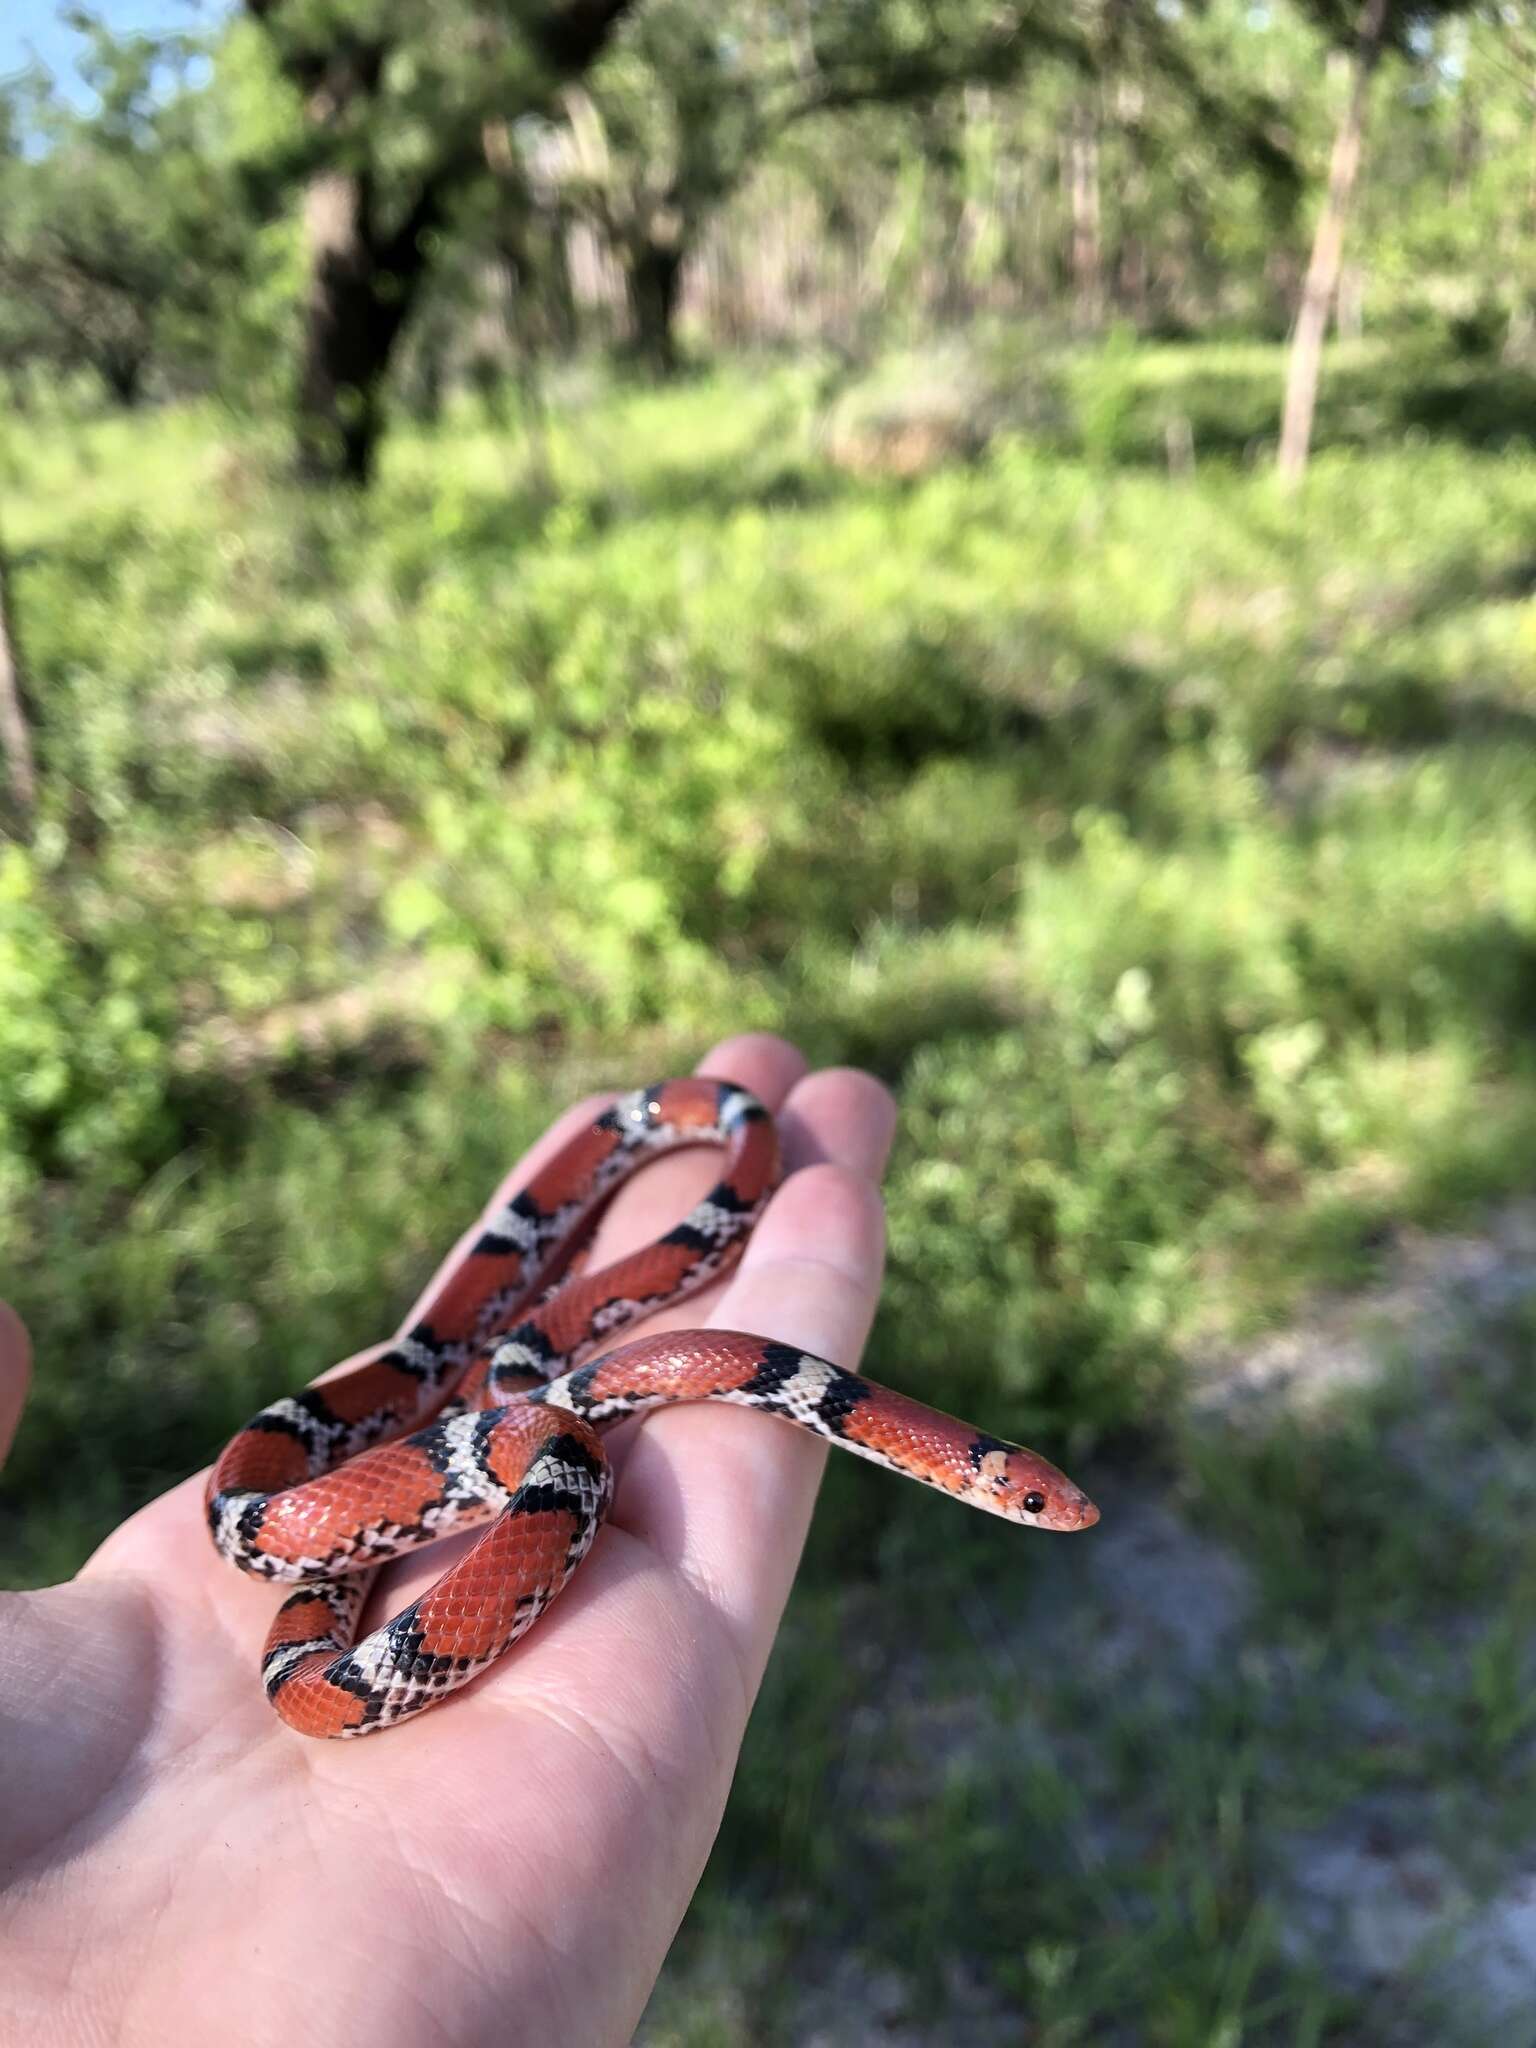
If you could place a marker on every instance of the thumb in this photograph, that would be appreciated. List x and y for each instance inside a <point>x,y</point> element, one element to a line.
<point>15,1373</point>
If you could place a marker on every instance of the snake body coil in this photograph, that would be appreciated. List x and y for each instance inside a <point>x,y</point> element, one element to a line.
<point>480,1412</point>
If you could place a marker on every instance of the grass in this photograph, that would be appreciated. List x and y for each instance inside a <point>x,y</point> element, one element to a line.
<point>1164,843</point>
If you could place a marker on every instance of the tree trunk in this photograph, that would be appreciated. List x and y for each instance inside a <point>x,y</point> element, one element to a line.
<point>981,229</point>
<point>1087,248</point>
<point>519,245</point>
<point>17,717</point>
<point>123,374</point>
<point>653,275</point>
<point>364,281</point>
<point>1131,279</point>
<point>1469,137</point>
<point>560,291</point>
<point>1306,355</point>
<point>357,300</point>
<point>522,327</point>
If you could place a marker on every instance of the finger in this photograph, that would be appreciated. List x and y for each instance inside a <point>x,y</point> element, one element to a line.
<point>726,1495</point>
<point>761,1061</point>
<point>839,1114</point>
<point>15,1374</point>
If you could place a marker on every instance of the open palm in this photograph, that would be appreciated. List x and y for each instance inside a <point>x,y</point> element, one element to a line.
<point>178,1866</point>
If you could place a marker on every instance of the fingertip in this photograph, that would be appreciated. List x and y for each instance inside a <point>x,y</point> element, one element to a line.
<point>757,1060</point>
<point>840,1115</point>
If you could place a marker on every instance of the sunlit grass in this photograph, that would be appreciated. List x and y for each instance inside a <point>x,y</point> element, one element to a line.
<point>1164,843</point>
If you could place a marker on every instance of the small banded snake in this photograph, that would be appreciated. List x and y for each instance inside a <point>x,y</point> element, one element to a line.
<point>489,1408</point>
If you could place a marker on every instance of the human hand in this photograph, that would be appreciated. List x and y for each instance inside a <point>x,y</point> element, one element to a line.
<point>177,1866</point>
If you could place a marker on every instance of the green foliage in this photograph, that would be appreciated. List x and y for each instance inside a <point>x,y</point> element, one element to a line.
<point>1166,849</point>
<point>82,1043</point>
<point>1153,843</point>
<point>125,239</point>
<point>1053,1185</point>
<point>980,714</point>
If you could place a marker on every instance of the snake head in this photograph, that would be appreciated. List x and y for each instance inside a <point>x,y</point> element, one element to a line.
<point>1021,1487</point>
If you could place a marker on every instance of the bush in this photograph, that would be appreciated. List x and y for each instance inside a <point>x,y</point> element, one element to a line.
<point>1049,1204</point>
<point>1166,848</point>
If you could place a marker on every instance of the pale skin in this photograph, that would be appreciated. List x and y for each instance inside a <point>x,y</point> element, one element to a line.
<point>511,1868</point>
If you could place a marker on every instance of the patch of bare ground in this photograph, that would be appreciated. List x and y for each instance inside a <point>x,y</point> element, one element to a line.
<point>1413,1897</point>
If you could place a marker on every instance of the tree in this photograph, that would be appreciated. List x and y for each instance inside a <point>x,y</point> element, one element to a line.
<point>688,102</point>
<point>395,96</point>
<point>1367,32</point>
<point>686,105</point>
<point>119,232</point>
<point>1322,280</point>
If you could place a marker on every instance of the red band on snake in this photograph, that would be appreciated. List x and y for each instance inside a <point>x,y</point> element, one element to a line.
<point>483,1410</point>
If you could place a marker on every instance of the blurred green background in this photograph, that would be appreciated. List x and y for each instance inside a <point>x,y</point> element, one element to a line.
<point>800,544</point>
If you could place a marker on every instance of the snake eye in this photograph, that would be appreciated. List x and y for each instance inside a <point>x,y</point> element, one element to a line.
<point>1034,1503</point>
